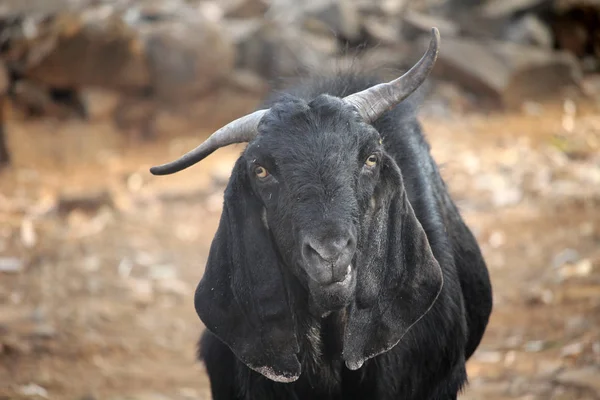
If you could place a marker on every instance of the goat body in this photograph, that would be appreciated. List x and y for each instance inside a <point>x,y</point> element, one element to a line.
<point>400,356</point>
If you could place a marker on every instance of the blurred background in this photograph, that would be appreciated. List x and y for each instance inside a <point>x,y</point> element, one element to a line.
<point>99,259</point>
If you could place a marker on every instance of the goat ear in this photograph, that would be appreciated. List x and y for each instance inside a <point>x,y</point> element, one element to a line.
<point>398,277</point>
<point>242,297</point>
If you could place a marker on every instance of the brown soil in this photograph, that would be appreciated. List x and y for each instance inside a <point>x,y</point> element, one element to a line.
<point>101,306</point>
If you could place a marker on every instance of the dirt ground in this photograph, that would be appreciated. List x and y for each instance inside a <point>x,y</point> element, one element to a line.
<point>99,259</point>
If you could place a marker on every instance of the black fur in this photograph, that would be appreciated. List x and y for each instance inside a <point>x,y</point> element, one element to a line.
<point>419,298</point>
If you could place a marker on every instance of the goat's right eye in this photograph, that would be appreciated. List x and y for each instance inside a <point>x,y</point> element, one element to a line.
<point>261,172</point>
<point>371,161</point>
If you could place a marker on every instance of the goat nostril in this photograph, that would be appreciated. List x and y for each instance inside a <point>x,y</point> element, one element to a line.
<point>317,251</point>
<point>308,250</point>
<point>350,244</point>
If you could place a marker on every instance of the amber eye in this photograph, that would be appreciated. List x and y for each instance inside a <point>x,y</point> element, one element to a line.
<point>371,160</point>
<point>261,172</point>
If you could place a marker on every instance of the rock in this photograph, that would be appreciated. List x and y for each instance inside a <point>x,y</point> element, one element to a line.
<point>519,386</point>
<point>173,286</point>
<point>564,257</point>
<point>100,104</point>
<point>539,296</point>
<point>44,331</point>
<point>382,61</point>
<point>503,192</point>
<point>87,201</point>
<point>248,81</point>
<point>548,369</point>
<point>530,30</point>
<point>577,325</point>
<point>416,23</point>
<point>135,182</point>
<point>35,99</point>
<point>187,233</point>
<point>274,53</point>
<point>586,377</point>
<point>381,32</point>
<point>214,202</point>
<point>582,268</point>
<point>11,264</point>
<point>534,346</point>
<point>187,59</point>
<point>488,357</point>
<point>495,9</point>
<point>497,239</point>
<point>245,8</point>
<point>240,30</point>
<point>341,16</point>
<point>393,8</point>
<point>124,268</point>
<point>152,11</point>
<point>584,292</point>
<point>211,10</point>
<point>572,350</point>
<point>91,263</point>
<point>33,390</point>
<point>28,234</point>
<point>141,291</point>
<point>322,44</point>
<point>505,73</point>
<point>163,271</point>
<point>109,52</point>
<point>169,49</point>
<point>577,29</point>
<point>4,79</point>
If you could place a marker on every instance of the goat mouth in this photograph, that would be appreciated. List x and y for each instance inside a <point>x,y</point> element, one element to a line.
<point>345,280</point>
<point>333,296</point>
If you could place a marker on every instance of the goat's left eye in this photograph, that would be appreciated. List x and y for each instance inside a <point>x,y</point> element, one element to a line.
<point>261,172</point>
<point>371,160</point>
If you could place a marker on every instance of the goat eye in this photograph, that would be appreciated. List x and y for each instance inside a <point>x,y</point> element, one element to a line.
<point>371,160</point>
<point>261,172</point>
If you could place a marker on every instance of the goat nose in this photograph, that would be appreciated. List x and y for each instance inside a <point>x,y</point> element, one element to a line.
<point>329,259</point>
<point>327,250</point>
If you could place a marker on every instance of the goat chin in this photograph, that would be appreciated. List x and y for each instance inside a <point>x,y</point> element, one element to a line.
<point>332,297</point>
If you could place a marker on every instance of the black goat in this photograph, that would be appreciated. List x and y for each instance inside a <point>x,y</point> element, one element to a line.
<point>341,268</point>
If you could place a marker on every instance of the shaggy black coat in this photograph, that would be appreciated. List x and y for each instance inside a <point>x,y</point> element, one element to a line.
<point>438,317</point>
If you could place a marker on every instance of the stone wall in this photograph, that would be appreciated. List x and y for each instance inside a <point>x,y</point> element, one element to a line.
<point>159,67</point>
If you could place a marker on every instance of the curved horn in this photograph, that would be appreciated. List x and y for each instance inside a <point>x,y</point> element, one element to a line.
<point>373,102</point>
<point>241,130</point>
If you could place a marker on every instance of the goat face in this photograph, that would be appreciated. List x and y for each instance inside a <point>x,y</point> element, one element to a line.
<point>314,167</point>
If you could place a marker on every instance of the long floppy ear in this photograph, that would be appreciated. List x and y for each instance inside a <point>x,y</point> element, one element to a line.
<point>398,278</point>
<point>242,297</point>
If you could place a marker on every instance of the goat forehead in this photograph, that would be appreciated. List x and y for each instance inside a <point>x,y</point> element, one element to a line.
<point>315,142</point>
<point>326,156</point>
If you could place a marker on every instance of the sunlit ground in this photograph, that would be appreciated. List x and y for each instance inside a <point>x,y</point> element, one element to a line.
<point>100,258</point>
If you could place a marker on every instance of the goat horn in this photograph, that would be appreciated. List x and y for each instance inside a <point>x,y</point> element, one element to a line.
<point>241,130</point>
<point>373,102</point>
